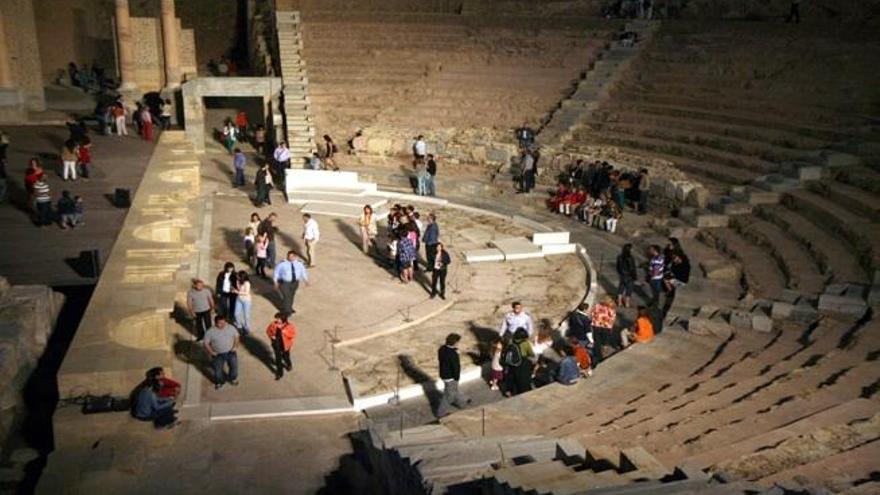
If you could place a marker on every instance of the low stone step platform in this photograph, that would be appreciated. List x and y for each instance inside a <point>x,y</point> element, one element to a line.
<point>307,197</point>
<point>276,408</point>
<point>339,210</point>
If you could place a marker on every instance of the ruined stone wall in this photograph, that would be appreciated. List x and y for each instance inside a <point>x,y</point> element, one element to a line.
<point>149,61</point>
<point>27,319</point>
<point>21,40</point>
<point>79,31</point>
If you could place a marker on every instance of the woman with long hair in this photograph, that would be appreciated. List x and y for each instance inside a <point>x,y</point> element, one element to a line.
<point>367,224</point>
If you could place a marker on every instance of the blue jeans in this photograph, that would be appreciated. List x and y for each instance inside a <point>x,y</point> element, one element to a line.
<point>422,188</point>
<point>230,358</point>
<point>270,254</point>
<point>243,315</point>
<point>429,181</point>
<point>239,177</point>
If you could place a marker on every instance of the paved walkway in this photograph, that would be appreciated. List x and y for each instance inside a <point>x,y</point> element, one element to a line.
<point>47,255</point>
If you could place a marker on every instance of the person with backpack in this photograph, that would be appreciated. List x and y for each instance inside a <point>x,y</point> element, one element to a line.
<point>281,333</point>
<point>518,361</point>
<point>450,373</point>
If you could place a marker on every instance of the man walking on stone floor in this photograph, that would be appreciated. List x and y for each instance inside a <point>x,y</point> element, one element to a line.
<point>200,303</point>
<point>267,226</point>
<point>281,158</point>
<point>450,373</point>
<point>221,342</point>
<point>239,160</point>
<point>311,235</point>
<point>287,276</point>
<point>281,333</point>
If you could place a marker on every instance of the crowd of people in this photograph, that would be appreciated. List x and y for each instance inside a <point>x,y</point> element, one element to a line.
<point>598,194</point>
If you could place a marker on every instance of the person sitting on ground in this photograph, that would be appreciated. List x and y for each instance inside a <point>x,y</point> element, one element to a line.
<point>573,200</point>
<point>580,211</point>
<point>315,162</point>
<point>567,373</point>
<point>594,210</point>
<point>678,276</point>
<point>66,210</point>
<point>641,332</point>
<point>581,356</point>
<point>603,317</point>
<point>168,388</point>
<point>579,325</point>
<point>554,203</point>
<point>148,406</point>
<point>612,214</point>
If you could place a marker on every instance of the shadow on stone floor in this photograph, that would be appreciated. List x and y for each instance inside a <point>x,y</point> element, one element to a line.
<point>418,375</point>
<point>194,354</point>
<point>258,349</point>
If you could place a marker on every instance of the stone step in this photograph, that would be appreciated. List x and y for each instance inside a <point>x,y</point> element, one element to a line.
<point>843,413</point>
<point>763,275</point>
<point>836,259</point>
<point>863,234</point>
<point>796,262</point>
<point>853,198</point>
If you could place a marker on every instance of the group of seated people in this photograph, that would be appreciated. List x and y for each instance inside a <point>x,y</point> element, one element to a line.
<point>597,194</point>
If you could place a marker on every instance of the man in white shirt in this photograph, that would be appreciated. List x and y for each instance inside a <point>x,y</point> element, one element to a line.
<point>310,235</point>
<point>516,319</point>
<point>282,160</point>
<point>420,149</point>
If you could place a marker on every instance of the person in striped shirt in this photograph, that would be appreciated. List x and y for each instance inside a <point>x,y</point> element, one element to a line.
<point>43,202</point>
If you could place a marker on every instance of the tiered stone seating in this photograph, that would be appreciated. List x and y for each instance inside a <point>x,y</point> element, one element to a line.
<point>725,105</point>
<point>416,74</point>
<point>717,403</point>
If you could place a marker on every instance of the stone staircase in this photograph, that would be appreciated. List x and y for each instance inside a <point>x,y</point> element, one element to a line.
<point>432,459</point>
<point>594,87</point>
<point>299,129</point>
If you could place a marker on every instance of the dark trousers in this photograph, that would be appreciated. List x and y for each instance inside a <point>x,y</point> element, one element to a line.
<point>44,213</point>
<point>656,289</point>
<point>438,277</point>
<point>643,202</point>
<point>203,323</point>
<point>288,292</point>
<point>262,195</point>
<point>239,177</point>
<point>227,306</point>
<point>164,417</point>
<point>84,169</point>
<point>430,255</point>
<point>519,378</point>
<point>230,360</point>
<point>282,359</point>
<point>795,14</point>
<point>528,180</point>
<point>270,254</point>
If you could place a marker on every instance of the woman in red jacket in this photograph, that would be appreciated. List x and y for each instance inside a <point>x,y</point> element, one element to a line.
<point>281,333</point>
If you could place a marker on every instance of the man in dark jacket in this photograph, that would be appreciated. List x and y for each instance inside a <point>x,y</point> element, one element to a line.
<point>450,372</point>
<point>580,326</point>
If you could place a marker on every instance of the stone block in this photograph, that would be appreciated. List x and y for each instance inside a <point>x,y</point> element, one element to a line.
<point>709,327</point>
<point>378,146</point>
<point>740,319</point>
<point>835,159</point>
<point>482,255</point>
<point>517,248</point>
<point>497,155</point>
<point>707,311</point>
<point>762,323</point>
<point>710,220</point>
<point>541,238</point>
<point>763,198</point>
<point>683,190</point>
<point>698,196</point>
<point>836,289</point>
<point>843,305</point>
<point>718,269</point>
